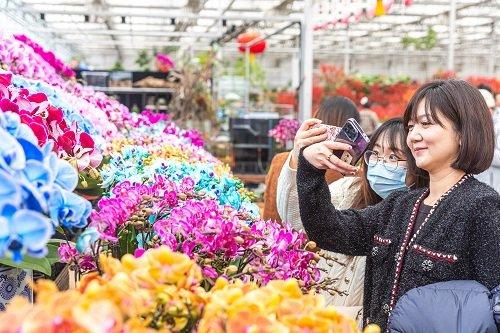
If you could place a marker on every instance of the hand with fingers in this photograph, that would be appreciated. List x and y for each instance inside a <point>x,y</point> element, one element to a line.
<point>306,136</point>
<point>321,156</point>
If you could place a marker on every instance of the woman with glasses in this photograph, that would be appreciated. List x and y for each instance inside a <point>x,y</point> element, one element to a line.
<point>384,170</point>
<point>447,231</point>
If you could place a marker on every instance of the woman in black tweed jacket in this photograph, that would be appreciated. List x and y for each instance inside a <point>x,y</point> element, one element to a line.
<point>449,231</point>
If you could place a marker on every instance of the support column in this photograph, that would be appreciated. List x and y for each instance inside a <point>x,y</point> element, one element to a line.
<point>452,35</point>
<point>493,45</point>
<point>347,53</point>
<point>247,79</point>
<point>306,63</point>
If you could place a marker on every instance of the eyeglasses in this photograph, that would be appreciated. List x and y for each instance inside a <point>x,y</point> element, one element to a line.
<point>390,162</point>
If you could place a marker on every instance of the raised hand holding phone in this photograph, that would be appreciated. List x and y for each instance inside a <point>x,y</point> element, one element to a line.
<point>343,152</point>
<point>321,156</point>
<point>309,133</point>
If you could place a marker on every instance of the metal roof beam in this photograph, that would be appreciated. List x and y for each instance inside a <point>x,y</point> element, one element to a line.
<point>100,13</point>
<point>79,6</point>
<point>113,32</point>
<point>422,19</point>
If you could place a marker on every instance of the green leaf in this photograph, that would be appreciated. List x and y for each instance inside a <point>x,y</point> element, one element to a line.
<point>36,264</point>
<point>52,256</point>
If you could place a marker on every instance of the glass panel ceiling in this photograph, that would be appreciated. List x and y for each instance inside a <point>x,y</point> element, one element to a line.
<point>198,22</point>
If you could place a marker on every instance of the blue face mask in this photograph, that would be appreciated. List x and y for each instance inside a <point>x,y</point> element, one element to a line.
<point>384,181</point>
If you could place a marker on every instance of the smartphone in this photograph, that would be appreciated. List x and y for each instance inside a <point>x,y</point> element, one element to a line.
<point>352,134</point>
<point>331,131</point>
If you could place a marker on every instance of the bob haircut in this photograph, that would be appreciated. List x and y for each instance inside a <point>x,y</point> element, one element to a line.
<point>465,107</point>
<point>335,111</point>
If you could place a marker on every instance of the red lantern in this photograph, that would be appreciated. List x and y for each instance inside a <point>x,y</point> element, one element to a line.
<point>258,47</point>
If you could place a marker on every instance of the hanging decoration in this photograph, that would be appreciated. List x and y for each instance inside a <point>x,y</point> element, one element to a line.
<point>379,9</point>
<point>258,43</point>
<point>355,15</point>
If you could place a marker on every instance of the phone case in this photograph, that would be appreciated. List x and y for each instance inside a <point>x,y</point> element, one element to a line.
<point>331,131</point>
<point>352,134</point>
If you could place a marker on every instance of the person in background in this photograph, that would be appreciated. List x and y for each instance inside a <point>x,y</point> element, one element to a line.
<point>384,170</point>
<point>369,119</point>
<point>413,238</point>
<point>332,111</point>
<point>491,176</point>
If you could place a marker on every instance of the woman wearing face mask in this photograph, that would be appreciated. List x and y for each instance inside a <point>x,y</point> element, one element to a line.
<point>384,170</point>
<point>448,231</point>
<point>334,111</point>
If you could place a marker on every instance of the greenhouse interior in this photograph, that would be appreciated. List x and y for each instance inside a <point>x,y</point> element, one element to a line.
<point>250,166</point>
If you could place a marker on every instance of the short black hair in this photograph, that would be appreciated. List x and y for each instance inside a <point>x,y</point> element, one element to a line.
<point>466,108</point>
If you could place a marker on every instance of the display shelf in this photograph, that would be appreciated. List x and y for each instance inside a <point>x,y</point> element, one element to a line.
<point>140,98</point>
<point>133,90</point>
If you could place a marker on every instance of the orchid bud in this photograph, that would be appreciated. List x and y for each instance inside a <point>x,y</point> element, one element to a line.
<point>231,269</point>
<point>94,174</point>
<point>311,246</point>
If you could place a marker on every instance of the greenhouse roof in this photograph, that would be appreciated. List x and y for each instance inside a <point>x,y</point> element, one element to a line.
<point>125,26</point>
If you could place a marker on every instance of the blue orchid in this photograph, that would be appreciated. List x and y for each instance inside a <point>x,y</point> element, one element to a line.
<point>12,156</point>
<point>63,174</point>
<point>11,122</point>
<point>251,208</point>
<point>68,209</point>
<point>231,197</point>
<point>86,240</point>
<point>23,231</point>
<point>10,190</point>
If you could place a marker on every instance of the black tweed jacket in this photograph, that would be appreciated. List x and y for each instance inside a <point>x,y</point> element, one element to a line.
<point>460,241</point>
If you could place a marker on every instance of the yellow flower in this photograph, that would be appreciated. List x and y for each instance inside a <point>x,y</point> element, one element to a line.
<point>222,170</point>
<point>99,316</point>
<point>161,292</point>
<point>278,307</point>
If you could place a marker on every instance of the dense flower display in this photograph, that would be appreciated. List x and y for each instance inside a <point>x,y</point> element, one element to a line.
<point>49,57</point>
<point>20,59</point>
<point>190,202</point>
<point>285,131</point>
<point>156,191</point>
<point>35,191</point>
<point>161,292</point>
<point>278,307</point>
<point>48,123</point>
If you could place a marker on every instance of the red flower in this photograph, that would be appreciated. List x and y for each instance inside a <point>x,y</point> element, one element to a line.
<point>37,98</point>
<point>55,114</point>
<point>86,140</point>
<point>67,141</point>
<point>40,133</point>
<point>5,78</point>
<point>7,105</point>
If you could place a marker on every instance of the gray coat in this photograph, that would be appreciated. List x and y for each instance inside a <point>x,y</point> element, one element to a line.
<point>453,306</point>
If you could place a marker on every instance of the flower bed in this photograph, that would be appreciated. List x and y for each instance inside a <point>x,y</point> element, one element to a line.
<point>157,191</point>
<point>162,292</point>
